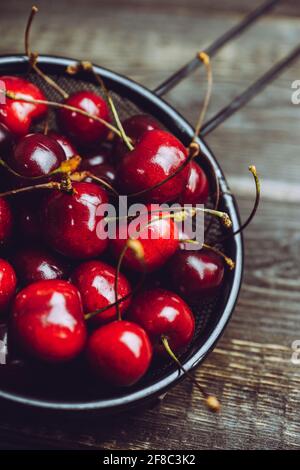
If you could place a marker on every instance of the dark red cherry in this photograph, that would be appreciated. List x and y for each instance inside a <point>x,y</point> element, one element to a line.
<point>69,148</point>
<point>6,142</point>
<point>195,274</point>
<point>37,264</point>
<point>70,222</point>
<point>18,115</point>
<point>155,157</point>
<point>196,190</point>
<point>48,321</point>
<point>28,217</point>
<point>37,155</point>
<point>158,239</point>
<point>95,281</point>
<point>120,353</point>
<point>8,283</point>
<point>134,127</point>
<point>81,129</point>
<point>162,313</point>
<point>6,221</point>
<point>105,172</point>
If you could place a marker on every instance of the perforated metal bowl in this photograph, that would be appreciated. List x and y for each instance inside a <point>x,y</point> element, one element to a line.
<point>70,387</point>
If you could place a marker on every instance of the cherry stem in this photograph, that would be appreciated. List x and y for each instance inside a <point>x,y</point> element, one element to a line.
<point>211,401</point>
<point>54,104</point>
<point>50,185</point>
<point>87,66</point>
<point>230,263</point>
<point>253,171</point>
<point>193,149</point>
<point>33,57</point>
<point>204,57</point>
<point>82,175</point>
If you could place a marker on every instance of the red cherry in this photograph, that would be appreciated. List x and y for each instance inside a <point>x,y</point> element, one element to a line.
<point>197,187</point>
<point>98,156</point>
<point>69,221</point>
<point>105,172</point>
<point>8,283</point>
<point>159,240</point>
<point>119,353</point>
<point>95,281</point>
<point>28,218</point>
<point>195,274</point>
<point>69,149</point>
<point>6,221</point>
<point>48,322</point>
<point>37,264</point>
<point>163,313</point>
<point>81,129</point>
<point>18,115</point>
<point>6,142</point>
<point>134,127</point>
<point>37,155</point>
<point>156,156</point>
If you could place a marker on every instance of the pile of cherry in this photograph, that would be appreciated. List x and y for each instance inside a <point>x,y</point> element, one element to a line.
<point>57,277</point>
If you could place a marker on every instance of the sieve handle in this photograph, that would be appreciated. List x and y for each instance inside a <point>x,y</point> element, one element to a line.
<point>189,68</point>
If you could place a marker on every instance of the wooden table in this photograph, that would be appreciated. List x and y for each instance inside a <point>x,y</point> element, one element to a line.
<point>250,369</point>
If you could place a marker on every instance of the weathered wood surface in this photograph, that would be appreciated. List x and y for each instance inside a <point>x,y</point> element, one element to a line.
<point>251,369</point>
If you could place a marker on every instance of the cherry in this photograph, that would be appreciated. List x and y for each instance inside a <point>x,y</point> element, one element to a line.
<point>18,115</point>
<point>120,353</point>
<point>134,127</point>
<point>69,221</point>
<point>6,142</point>
<point>28,210</point>
<point>69,148</point>
<point>196,190</point>
<point>6,221</point>
<point>95,281</point>
<point>37,155</point>
<point>48,321</point>
<point>195,274</point>
<point>8,283</point>
<point>99,155</point>
<point>103,171</point>
<point>37,264</point>
<point>82,129</point>
<point>158,237</point>
<point>163,314</point>
<point>155,157</point>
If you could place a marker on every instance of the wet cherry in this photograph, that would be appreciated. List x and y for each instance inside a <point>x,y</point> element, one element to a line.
<point>95,281</point>
<point>120,353</point>
<point>68,147</point>
<point>81,129</point>
<point>162,313</point>
<point>195,274</point>
<point>8,283</point>
<point>196,190</point>
<point>6,221</point>
<point>38,264</point>
<point>156,156</point>
<point>48,321</point>
<point>70,221</point>
<point>18,115</point>
<point>158,237</point>
<point>37,155</point>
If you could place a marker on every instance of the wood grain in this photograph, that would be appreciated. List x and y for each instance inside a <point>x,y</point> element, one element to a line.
<point>250,369</point>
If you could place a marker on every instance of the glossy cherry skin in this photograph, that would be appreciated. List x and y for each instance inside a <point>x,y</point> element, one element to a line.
<point>195,274</point>
<point>119,353</point>
<point>6,142</point>
<point>37,155</point>
<point>135,127</point>
<point>69,221</point>
<point>95,281</point>
<point>6,221</point>
<point>196,190</point>
<point>38,264</point>
<point>96,163</point>
<point>18,115</point>
<point>155,157</point>
<point>48,321</point>
<point>81,129</point>
<point>162,313</point>
<point>67,146</point>
<point>8,283</point>
<point>159,240</point>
